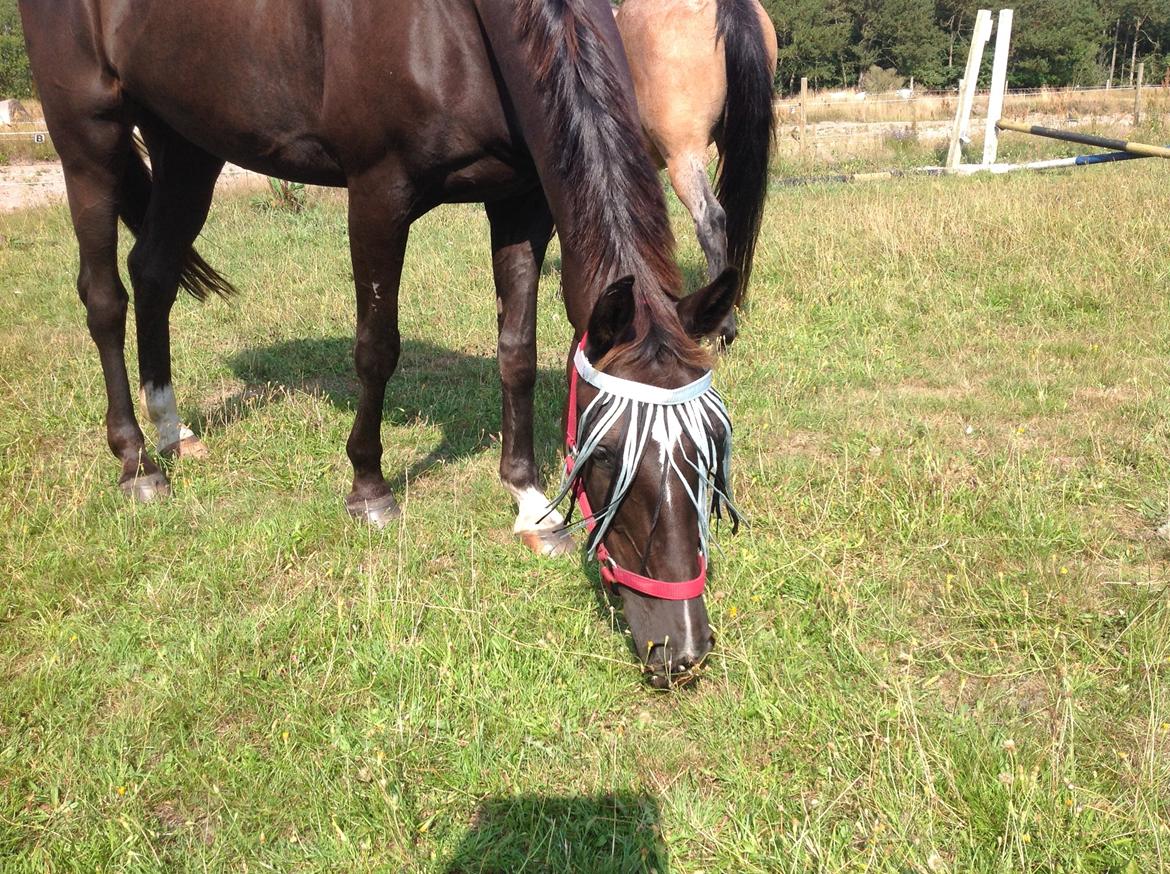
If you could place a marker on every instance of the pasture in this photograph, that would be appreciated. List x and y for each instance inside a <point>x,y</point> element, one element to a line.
<point>943,640</point>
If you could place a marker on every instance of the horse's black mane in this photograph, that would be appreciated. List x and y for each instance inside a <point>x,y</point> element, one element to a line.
<point>620,221</point>
<point>613,191</point>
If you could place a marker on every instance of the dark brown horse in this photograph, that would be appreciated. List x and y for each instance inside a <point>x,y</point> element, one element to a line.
<point>525,105</point>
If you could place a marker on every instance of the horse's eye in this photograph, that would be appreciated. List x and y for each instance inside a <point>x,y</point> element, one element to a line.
<point>603,457</point>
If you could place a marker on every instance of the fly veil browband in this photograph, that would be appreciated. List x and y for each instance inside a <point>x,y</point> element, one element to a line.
<point>691,410</point>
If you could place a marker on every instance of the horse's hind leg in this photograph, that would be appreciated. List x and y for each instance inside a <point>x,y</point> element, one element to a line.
<point>688,175</point>
<point>521,228</point>
<point>183,184</point>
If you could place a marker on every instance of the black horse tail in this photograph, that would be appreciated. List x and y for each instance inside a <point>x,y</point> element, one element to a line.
<point>748,130</point>
<point>198,278</point>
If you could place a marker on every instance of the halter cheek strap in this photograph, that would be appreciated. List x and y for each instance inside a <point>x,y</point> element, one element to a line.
<point>611,572</point>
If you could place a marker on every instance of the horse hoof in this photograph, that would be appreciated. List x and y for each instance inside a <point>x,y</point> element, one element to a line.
<point>550,542</point>
<point>188,447</point>
<point>146,488</point>
<point>379,512</point>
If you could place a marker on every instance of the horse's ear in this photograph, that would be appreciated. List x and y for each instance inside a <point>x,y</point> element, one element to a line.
<point>703,312</point>
<point>612,315</point>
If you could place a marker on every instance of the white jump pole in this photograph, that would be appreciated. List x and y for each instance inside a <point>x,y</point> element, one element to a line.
<point>1003,40</point>
<point>970,82</point>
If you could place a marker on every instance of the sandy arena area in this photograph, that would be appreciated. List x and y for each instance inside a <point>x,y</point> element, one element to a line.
<point>43,184</point>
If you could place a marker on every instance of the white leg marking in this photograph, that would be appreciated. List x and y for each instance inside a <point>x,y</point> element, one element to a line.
<point>533,511</point>
<point>164,413</point>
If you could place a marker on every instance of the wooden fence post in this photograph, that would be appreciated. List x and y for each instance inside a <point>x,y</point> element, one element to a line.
<point>1137,96</point>
<point>803,112</point>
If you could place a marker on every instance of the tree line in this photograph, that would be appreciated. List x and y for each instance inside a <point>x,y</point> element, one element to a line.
<point>836,43</point>
<point>15,77</point>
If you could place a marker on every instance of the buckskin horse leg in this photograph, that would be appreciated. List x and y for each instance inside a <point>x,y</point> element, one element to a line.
<point>688,175</point>
<point>379,223</point>
<point>520,229</point>
<point>183,184</point>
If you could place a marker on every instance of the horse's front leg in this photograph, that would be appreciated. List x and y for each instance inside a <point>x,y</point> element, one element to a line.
<point>379,222</point>
<point>521,228</point>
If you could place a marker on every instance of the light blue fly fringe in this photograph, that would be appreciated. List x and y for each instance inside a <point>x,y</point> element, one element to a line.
<point>695,412</point>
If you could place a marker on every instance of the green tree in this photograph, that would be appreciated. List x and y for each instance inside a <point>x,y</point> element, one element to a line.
<point>956,19</point>
<point>902,34</point>
<point>1056,42</point>
<point>815,38</point>
<point>15,76</point>
<point>1143,28</point>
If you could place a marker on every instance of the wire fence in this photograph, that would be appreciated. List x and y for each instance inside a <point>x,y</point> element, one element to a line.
<point>830,123</point>
<point>833,123</point>
<point>902,95</point>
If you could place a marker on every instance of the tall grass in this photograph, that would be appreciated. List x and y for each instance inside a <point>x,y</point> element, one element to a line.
<point>936,106</point>
<point>886,132</point>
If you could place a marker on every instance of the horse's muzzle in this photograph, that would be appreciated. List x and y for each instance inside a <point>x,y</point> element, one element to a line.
<point>668,667</point>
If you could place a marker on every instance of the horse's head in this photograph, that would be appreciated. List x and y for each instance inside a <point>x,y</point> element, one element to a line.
<point>650,443</point>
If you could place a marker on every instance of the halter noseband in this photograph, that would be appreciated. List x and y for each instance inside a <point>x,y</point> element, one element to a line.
<point>638,393</point>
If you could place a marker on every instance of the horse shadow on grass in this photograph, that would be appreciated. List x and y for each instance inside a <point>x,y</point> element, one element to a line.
<point>457,392</point>
<point>618,833</point>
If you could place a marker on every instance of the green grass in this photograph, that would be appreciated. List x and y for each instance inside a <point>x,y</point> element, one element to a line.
<point>943,640</point>
<point>19,150</point>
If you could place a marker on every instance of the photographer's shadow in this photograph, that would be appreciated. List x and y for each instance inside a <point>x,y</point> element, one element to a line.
<point>604,834</point>
<point>459,393</point>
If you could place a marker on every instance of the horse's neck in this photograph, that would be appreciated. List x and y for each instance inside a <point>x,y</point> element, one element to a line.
<point>586,141</point>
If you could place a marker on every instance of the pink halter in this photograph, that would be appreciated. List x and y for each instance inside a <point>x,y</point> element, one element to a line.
<point>611,572</point>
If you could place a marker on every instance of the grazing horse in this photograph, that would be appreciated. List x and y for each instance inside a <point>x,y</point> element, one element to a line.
<point>524,105</point>
<point>703,72</point>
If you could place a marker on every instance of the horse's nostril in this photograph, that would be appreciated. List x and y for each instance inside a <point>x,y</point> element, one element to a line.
<point>668,668</point>
<point>691,658</point>
<point>687,662</point>
<point>656,657</point>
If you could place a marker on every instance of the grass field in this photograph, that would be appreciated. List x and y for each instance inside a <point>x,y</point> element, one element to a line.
<point>943,640</point>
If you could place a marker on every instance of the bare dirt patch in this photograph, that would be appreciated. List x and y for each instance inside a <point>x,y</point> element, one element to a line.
<point>23,186</point>
<point>800,444</point>
<point>175,821</point>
